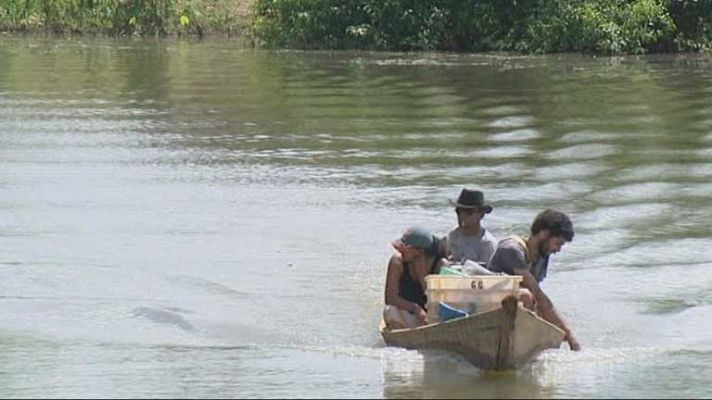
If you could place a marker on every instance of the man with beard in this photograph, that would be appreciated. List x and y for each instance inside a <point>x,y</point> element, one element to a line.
<point>530,258</point>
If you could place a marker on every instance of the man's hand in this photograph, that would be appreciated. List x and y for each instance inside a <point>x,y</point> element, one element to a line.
<point>573,342</point>
<point>422,316</point>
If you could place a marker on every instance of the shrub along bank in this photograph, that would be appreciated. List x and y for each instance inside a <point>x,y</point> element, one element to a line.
<point>540,26</point>
<point>126,17</point>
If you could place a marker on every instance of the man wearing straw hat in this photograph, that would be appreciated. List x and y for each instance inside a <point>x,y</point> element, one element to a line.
<point>470,240</point>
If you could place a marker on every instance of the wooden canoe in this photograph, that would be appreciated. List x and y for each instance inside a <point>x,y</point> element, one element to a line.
<point>505,338</point>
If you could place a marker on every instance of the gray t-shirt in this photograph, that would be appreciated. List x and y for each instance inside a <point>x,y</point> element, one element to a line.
<point>511,255</point>
<point>478,248</point>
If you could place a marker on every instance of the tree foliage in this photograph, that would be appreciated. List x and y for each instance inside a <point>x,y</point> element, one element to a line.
<point>119,17</point>
<point>599,26</point>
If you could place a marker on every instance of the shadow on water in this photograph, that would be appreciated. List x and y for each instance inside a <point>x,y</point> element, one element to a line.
<point>170,317</point>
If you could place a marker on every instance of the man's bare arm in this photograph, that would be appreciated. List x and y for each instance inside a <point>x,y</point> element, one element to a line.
<point>545,307</point>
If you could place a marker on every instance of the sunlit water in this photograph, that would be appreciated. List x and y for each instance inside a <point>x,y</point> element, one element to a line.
<point>186,219</point>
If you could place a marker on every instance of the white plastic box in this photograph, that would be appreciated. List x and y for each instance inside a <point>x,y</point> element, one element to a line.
<point>472,294</point>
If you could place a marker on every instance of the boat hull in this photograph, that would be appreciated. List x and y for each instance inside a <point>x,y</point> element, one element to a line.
<point>505,338</point>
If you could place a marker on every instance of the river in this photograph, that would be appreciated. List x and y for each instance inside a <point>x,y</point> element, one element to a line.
<point>197,219</point>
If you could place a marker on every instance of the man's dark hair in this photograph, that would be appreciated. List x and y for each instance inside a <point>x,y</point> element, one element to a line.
<point>556,222</point>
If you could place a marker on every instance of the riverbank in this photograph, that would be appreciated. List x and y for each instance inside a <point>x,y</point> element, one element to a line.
<point>225,18</point>
<point>546,26</point>
<point>542,26</point>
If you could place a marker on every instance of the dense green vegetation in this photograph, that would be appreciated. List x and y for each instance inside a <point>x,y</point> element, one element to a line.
<point>597,26</point>
<point>540,26</point>
<point>124,17</point>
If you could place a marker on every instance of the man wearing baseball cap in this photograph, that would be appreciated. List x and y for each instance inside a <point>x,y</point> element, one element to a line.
<point>417,256</point>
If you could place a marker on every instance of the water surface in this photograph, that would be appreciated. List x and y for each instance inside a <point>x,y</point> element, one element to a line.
<point>195,219</point>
